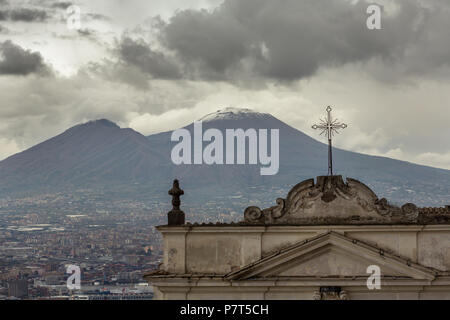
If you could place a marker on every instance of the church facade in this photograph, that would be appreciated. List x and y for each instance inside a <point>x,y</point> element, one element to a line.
<point>320,242</point>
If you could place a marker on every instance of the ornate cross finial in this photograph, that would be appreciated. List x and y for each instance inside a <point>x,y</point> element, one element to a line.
<point>330,126</point>
<point>175,216</point>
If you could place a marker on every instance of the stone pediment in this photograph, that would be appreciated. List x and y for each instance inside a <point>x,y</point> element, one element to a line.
<point>331,201</point>
<point>330,255</point>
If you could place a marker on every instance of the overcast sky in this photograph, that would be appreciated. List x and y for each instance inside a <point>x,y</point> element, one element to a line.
<point>156,65</point>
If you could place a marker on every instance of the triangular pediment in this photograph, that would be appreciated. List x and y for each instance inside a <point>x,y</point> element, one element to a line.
<point>331,255</point>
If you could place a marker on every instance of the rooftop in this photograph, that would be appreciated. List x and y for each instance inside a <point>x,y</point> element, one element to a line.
<point>331,201</point>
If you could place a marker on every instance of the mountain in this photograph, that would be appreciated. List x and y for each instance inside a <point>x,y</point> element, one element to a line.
<point>99,154</point>
<point>232,177</point>
<point>302,157</point>
<point>95,153</point>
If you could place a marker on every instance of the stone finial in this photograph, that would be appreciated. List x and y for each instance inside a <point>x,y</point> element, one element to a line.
<point>176,215</point>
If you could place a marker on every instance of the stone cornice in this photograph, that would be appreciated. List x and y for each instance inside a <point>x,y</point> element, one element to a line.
<point>296,228</point>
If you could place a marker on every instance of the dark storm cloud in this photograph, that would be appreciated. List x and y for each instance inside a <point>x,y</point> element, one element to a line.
<point>290,40</point>
<point>97,16</point>
<point>284,40</point>
<point>208,42</point>
<point>27,15</point>
<point>15,60</point>
<point>62,5</point>
<point>138,54</point>
<point>86,32</point>
<point>24,14</point>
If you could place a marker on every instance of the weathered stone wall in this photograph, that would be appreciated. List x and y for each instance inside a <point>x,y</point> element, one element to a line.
<point>196,258</point>
<point>221,249</point>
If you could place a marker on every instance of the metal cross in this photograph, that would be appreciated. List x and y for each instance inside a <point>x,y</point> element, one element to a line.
<point>330,126</point>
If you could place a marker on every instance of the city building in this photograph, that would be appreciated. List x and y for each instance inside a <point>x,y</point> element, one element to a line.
<point>18,288</point>
<point>328,239</point>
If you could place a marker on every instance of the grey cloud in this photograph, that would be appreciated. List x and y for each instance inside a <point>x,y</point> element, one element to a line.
<point>86,32</point>
<point>138,54</point>
<point>119,73</point>
<point>17,61</point>
<point>209,42</point>
<point>62,5</point>
<point>27,15</point>
<point>24,15</point>
<point>290,40</point>
<point>97,16</point>
<point>53,105</point>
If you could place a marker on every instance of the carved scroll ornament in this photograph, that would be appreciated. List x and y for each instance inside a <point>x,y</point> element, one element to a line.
<point>330,201</point>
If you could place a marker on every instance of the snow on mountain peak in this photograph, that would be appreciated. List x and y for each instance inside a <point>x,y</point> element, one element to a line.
<point>231,113</point>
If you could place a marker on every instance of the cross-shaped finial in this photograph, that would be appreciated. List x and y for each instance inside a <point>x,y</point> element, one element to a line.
<point>176,216</point>
<point>330,126</point>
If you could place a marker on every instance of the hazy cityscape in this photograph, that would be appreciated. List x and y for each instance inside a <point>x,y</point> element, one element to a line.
<point>105,103</point>
<point>113,242</point>
<point>112,247</point>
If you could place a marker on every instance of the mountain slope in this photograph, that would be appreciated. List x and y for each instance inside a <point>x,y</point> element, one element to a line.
<point>302,157</point>
<point>100,155</point>
<point>97,152</point>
